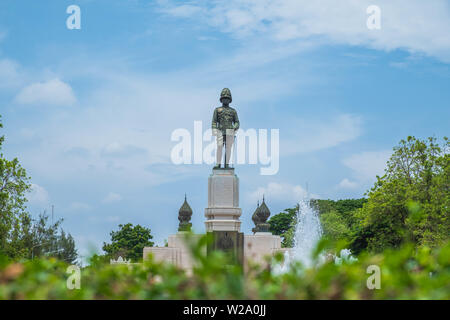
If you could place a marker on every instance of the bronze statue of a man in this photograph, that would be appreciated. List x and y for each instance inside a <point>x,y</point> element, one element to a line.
<point>225,123</point>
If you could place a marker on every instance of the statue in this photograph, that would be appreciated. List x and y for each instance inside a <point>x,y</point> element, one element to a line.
<point>225,123</point>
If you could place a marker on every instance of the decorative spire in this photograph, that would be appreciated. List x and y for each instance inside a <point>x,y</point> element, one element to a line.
<point>264,210</point>
<point>260,217</point>
<point>184,216</point>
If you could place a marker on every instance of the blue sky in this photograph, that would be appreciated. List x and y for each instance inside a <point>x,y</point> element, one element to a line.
<point>90,112</point>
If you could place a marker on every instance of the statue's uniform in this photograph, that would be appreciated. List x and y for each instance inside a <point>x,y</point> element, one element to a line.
<point>224,123</point>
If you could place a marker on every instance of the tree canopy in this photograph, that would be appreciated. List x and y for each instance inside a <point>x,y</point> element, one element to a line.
<point>410,202</point>
<point>14,183</point>
<point>128,242</point>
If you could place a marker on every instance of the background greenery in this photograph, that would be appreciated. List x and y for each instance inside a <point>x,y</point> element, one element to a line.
<point>408,204</point>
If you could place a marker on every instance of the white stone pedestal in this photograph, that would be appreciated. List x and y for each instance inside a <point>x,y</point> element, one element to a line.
<point>259,246</point>
<point>176,252</point>
<point>223,212</point>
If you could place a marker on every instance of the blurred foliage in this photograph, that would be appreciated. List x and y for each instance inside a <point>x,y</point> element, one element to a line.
<point>406,273</point>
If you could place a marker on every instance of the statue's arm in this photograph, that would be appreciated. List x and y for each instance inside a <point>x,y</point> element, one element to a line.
<point>214,120</point>
<point>236,121</point>
<point>214,124</point>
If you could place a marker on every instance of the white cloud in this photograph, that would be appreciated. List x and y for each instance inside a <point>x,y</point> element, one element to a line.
<point>3,35</point>
<point>184,10</point>
<point>206,38</point>
<point>367,165</point>
<point>347,184</point>
<point>123,128</point>
<point>275,191</point>
<point>52,92</point>
<point>38,195</point>
<point>414,25</point>
<point>312,135</point>
<point>112,197</point>
<point>10,75</point>
<point>116,149</point>
<point>79,206</point>
<point>112,218</point>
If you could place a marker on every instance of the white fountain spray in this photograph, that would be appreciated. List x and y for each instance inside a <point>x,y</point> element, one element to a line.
<point>308,232</point>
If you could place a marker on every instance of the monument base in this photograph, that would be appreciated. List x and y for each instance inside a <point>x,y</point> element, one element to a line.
<point>256,248</point>
<point>223,212</point>
<point>177,251</point>
<point>229,242</point>
<point>261,246</point>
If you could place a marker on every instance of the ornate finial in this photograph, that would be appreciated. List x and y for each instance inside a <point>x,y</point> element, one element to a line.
<point>184,216</point>
<point>260,217</point>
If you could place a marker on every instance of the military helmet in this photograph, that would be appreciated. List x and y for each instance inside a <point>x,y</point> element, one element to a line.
<point>226,93</point>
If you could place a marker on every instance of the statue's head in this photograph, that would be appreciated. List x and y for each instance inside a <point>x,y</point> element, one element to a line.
<point>225,96</point>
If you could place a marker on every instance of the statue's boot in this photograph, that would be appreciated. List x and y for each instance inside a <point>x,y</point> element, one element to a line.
<point>217,166</point>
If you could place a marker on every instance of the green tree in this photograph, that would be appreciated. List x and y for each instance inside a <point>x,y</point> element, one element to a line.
<point>14,183</point>
<point>410,202</point>
<point>281,222</point>
<point>338,216</point>
<point>66,251</point>
<point>44,236</point>
<point>39,238</point>
<point>20,235</point>
<point>334,225</point>
<point>128,242</point>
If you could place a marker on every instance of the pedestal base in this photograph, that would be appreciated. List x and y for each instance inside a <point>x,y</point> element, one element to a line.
<point>223,212</point>
<point>243,249</point>
<point>177,251</point>
<point>261,245</point>
<point>229,242</point>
